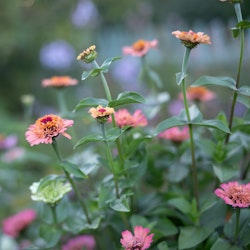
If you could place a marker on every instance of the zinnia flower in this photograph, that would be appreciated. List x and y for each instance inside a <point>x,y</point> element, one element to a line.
<point>140,48</point>
<point>46,128</point>
<point>200,93</point>
<point>59,82</point>
<point>101,113</point>
<point>88,55</point>
<point>124,118</point>
<point>175,134</point>
<point>50,189</point>
<point>14,224</point>
<point>190,39</point>
<point>234,194</point>
<point>80,242</point>
<point>139,241</point>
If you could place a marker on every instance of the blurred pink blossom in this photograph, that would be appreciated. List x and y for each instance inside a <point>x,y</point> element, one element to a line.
<point>7,142</point>
<point>13,154</point>
<point>175,134</point>
<point>14,224</point>
<point>79,242</point>
<point>124,118</point>
<point>234,194</point>
<point>140,240</point>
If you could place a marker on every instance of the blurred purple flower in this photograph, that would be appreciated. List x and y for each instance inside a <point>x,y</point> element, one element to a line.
<point>8,141</point>
<point>80,242</point>
<point>85,13</point>
<point>175,107</point>
<point>13,154</point>
<point>57,55</point>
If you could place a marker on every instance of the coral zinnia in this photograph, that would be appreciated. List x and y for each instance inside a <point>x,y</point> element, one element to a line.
<point>140,241</point>
<point>191,39</point>
<point>140,48</point>
<point>46,128</point>
<point>59,82</point>
<point>234,194</point>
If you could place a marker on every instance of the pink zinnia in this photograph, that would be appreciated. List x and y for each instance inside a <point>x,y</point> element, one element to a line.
<point>140,48</point>
<point>14,224</point>
<point>59,82</point>
<point>124,118</point>
<point>79,242</point>
<point>175,134</point>
<point>234,194</point>
<point>139,241</point>
<point>46,128</point>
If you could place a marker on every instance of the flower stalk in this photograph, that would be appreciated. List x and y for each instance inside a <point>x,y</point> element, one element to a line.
<point>192,148</point>
<point>237,223</point>
<point>71,181</point>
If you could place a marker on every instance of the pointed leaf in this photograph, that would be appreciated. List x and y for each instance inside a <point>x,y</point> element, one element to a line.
<point>73,168</point>
<point>113,133</point>
<point>194,112</point>
<point>127,98</point>
<point>223,81</point>
<point>155,78</point>
<point>225,173</point>
<point>181,204</point>
<point>169,123</point>
<point>120,205</point>
<point>192,236</point>
<point>244,90</point>
<point>93,73</point>
<point>107,63</point>
<point>180,77</point>
<point>244,24</point>
<point>88,139</point>
<point>90,102</point>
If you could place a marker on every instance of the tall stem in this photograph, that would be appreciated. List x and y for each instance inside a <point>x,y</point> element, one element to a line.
<point>237,223</point>
<point>192,147</point>
<point>242,45</point>
<point>110,160</point>
<point>71,181</point>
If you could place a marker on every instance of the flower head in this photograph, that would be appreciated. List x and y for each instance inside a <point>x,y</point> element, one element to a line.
<point>190,39</point>
<point>124,118</point>
<point>14,224</point>
<point>175,134</point>
<point>50,189</point>
<point>201,94</point>
<point>88,55</point>
<point>234,194</point>
<point>59,82</point>
<point>140,48</point>
<point>7,142</point>
<point>46,128</point>
<point>101,113</point>
<point>139,241</point>
<point>80,242</point>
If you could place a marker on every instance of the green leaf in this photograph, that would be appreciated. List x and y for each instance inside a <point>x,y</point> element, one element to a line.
<point>191,236</point>
<point>93,73</point>
<point>180,77</point>
<point>73,168</point>
<point>50,235</point>
<point>236,32</point>
<point>194,112</point>
<point>88,139</point>
<point>224,173</point>
<point>181,204</point>
<point>155,78</point>
<point>107,63</point>
<point>169,123</point>
<point>244,24</point>
<point>113,133</point>
<point>223,244</point>
<point>213,124</point>
<point>223,81</point>
<point>163,246</point>
<point>244,90</point>
<point>90,102</point>
<point>127,98</point>
<point>120,205</point>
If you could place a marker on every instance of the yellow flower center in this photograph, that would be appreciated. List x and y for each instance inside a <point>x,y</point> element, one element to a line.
<point>48,125</point>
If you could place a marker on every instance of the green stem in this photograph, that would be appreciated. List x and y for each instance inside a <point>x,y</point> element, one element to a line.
<point>237,223</point>
<point>192,147</point>
<point>78,195</point>
<point>61,101</point>
<point>242,45</point>
<point>53,211</point>
<point>110,160</point>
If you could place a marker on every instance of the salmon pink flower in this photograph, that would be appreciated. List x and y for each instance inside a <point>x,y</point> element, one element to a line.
<point>101,113</point>
<point>14,224</point>
<point>124,118</point>
<point>59,82</point>
<point>201,94</point>
<point>234,194</point>
<point>46,128</point>
<point>190,39</point>
<point>139,241</point>
<point>140,48</point>
<point>80,242</point>
<point>175,134</point>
